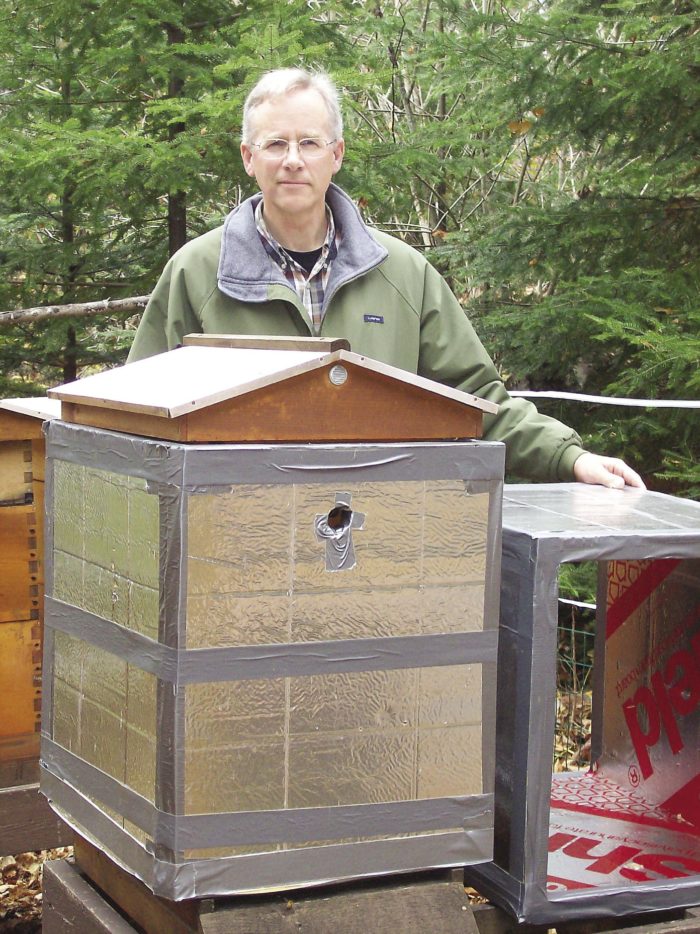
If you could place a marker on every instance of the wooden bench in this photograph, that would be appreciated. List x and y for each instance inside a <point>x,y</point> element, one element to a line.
<point>28,823</point>
<point>94,896</point>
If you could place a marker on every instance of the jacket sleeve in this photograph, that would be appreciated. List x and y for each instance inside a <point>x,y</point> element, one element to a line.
<point>537,447</point>
<point>169,314</point>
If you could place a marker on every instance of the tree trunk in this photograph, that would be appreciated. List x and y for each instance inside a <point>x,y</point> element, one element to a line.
<point>177,200</point>
<point>177,221</point>
<point>70,351</point>
<point>70,356</point>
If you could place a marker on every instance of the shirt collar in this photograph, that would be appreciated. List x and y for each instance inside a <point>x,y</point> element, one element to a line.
<point>278,252</point>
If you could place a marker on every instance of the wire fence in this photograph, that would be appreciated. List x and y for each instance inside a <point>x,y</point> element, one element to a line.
<point>575,639</point>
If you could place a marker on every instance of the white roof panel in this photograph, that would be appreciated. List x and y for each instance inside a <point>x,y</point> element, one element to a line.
<point>35,406</point>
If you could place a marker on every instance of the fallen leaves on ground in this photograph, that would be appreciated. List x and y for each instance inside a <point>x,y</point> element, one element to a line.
<point>20,889</point>
<point>572,741</point>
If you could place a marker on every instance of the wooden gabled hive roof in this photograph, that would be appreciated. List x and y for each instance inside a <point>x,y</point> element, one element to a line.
<point>241,394</point>
<point>22,418</point>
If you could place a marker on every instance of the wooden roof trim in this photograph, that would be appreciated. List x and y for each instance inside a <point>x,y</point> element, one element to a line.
<point>263,342</point>
<point>429,385</point>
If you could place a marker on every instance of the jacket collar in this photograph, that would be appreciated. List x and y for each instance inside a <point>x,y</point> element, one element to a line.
<point>246,272</point>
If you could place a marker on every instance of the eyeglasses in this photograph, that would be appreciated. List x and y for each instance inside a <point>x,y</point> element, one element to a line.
<point>311,147</point>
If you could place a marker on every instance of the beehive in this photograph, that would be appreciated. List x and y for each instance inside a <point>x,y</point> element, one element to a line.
<point>624,836</point>
<point>272,663</point>
<point>21,584</point>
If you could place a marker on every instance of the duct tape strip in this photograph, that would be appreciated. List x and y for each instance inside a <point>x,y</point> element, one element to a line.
<point>90,822</point>
<point>264,872</point>
<point>493,556</point>
<point>295,659</point>
<point>477,487</point>
<point>541,904</point>
<point>133,647</point>
<point>49,493</point>
<point>119,453</point>
<point>340,464</point>
<point>606,400</point>
<point>614,545</point>
<point>201,468</point>
<point>598,542</point>
<point>570,512</point>
<point>48,636</point>
<point>288,825</point>
<point>172,609</point>
<point>317,865</point>
<point>47,680</point>
<point>334,530</point>
<point>96,783</point>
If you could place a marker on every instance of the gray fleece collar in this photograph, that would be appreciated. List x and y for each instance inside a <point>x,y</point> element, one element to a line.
<point>246,273</point>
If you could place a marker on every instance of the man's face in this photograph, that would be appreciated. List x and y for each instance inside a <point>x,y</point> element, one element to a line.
<point>292,186</point>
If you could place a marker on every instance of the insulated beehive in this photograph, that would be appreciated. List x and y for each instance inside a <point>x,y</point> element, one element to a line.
<point>271,664</point>
<point>622,837</point>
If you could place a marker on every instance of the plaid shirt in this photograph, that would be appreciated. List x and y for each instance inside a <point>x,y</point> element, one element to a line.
<point>310,287</point>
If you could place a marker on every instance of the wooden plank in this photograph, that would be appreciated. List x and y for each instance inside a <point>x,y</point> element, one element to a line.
<point>147,426</point>
<point>262,342</point>
<point>38,460</point>
<point>70,903</point>
<point>16,427</point>
<point>20,685</point>
<point>492,920</point>
<point>15,472</point>
<point>19,771</point>
<point>28,823</point>
<point>152,913</point>
<point>20,578</point>
<point>428,902</point>
<point>411,907</point>
<point>368,406</point>
<point>677,921</point>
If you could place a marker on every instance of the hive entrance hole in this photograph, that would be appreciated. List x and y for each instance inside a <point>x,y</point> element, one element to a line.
<point>339,517</point>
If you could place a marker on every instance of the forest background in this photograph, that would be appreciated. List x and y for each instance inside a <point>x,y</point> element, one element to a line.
<point>542,154</point>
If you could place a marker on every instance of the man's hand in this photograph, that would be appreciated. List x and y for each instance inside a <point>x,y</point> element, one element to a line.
<point>606,471</point>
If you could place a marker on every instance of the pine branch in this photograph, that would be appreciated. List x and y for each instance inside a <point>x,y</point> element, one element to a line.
<point>122,306</point>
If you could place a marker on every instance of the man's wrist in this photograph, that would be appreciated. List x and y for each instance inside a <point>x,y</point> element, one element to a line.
<point>565,467</point>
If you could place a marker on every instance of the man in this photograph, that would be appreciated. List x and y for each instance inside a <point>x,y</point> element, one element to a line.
<point>297,259</point>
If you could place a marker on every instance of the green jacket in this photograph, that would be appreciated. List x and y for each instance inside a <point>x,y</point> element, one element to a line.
<point>382,296</point>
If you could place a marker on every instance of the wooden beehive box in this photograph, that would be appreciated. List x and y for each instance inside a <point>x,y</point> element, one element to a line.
<point>271,618</point>
<point>210,390</point>
<point>21,583</point>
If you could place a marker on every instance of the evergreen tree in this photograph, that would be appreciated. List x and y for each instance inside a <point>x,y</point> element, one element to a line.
<point>120,127</point>
<point>542,155</point>
<point>545,158</point>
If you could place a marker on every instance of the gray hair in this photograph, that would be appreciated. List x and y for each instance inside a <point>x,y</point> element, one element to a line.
<point>283,81</point>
